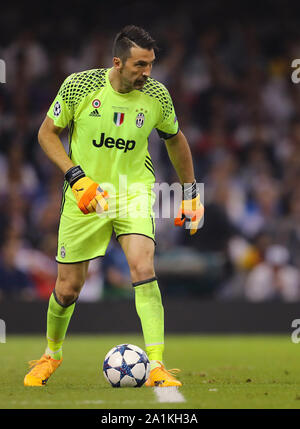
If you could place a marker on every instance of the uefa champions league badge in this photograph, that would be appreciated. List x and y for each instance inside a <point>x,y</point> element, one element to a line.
<point>62,252</point>
<point>57,109</point>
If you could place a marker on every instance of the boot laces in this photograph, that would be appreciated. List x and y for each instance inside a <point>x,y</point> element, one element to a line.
<point>35,364</point>
<point>172,371</point>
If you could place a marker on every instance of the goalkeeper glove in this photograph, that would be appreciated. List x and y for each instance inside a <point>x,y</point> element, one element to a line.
<point>88,194</point>
<point>191,209</point>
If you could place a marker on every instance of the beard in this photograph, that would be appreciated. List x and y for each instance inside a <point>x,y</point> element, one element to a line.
<point>129,84</point>
<point>140,82</point>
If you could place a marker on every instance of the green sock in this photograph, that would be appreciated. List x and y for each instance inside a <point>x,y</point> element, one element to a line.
<point>58,318</point>
<point>151,313</point>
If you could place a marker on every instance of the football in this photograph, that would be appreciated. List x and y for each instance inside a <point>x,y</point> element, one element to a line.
<point>126,365</point>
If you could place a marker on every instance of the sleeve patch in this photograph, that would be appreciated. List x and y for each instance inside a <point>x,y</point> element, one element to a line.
<point>57,109</point>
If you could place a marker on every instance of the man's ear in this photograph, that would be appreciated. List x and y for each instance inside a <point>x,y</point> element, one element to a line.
<point>117,62</point>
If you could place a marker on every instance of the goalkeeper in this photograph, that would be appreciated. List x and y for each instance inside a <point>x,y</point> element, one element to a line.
<point>110,113</point>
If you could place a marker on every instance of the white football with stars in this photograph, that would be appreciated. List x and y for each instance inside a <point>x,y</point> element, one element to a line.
<point>126,365</point>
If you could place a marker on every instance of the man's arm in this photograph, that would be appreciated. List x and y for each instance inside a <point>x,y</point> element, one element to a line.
<point>181,158</point>
<point>88,194</point>
<point>48,137</point>
<point>191,208</point>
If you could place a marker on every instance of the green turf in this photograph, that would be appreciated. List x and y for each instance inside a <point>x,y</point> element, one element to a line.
<point>217,372</point>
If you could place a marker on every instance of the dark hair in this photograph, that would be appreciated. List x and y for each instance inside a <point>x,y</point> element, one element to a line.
<point>130,36</point>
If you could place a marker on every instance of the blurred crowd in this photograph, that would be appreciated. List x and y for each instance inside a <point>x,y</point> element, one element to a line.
<point>230,80</point>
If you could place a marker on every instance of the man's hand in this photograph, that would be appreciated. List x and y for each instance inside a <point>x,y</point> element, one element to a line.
<point>89,195</point>
<point>191,210</point>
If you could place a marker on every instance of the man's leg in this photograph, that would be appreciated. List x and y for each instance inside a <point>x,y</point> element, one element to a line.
<point>139,251</point>
<point>70,279</point>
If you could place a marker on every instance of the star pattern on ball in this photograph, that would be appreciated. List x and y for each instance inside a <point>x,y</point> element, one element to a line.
<point>126,366</point>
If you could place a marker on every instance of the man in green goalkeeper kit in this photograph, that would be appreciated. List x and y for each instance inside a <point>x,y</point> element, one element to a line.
<point>110,114</point>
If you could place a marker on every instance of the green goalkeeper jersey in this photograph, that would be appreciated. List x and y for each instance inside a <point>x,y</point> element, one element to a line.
<point>109,130</point>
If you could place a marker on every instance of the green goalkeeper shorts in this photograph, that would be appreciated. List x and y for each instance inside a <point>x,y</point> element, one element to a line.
<point>84,237</point>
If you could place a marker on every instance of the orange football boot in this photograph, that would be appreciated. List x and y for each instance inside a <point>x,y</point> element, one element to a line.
<point>41,370</point>
<point>160,377</point>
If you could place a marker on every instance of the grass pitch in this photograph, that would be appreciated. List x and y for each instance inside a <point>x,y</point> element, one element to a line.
<point>216,371</point>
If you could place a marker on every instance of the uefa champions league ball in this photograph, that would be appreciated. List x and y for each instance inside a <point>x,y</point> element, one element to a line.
<point>126,365</point>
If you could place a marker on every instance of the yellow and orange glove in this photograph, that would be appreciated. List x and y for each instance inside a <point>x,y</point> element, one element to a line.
<point>191,209</point>
<point>89,195</point>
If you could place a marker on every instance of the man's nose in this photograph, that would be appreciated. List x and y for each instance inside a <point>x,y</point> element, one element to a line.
<point>147,71</point>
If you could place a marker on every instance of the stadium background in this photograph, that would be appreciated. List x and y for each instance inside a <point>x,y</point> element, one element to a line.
<point>228,70</point>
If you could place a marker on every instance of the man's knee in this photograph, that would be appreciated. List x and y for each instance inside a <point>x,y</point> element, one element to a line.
<point>141,270</point>
<point>67,289</point>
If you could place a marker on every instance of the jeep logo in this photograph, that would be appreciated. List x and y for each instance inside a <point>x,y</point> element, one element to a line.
<point>110,142</point>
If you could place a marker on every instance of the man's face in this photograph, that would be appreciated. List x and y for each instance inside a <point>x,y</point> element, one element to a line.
<point>137,68</point>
